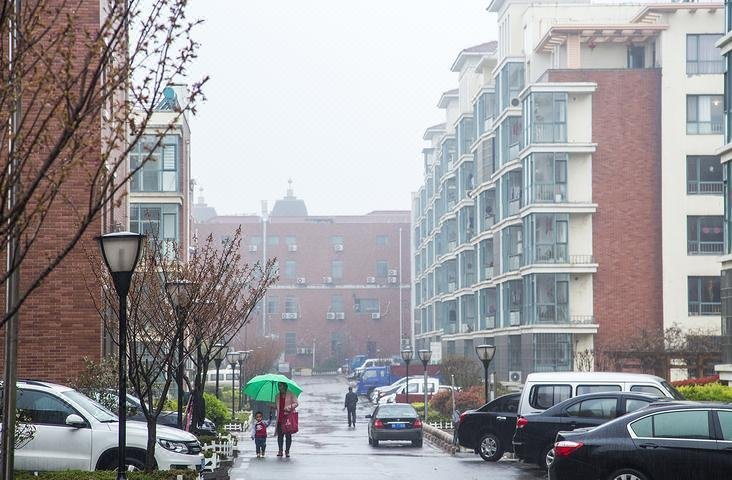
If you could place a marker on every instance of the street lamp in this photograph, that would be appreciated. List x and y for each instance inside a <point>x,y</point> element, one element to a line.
<point>425,356</point>
<point>407,355</point>
<point>219,354</point>
<point>179,292</point>
<point>121,251</point>
<point>243,356</point>
<point>485,354</point>
<point>232,357</point>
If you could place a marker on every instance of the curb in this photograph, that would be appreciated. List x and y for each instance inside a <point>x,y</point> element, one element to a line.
<point>439,439</point>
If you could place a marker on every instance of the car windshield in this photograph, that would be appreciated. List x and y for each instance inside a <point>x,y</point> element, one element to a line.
<point>93,408</point>
<point>674,393</point>
<point>388,411</point>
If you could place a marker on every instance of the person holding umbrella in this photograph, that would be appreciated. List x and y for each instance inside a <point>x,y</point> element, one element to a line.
<point>286,404</point>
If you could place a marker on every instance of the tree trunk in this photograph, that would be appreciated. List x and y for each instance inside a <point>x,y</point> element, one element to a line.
<point>151,444</point>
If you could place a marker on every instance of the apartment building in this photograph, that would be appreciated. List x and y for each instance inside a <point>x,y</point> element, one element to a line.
<point>343,287</point>
<point>572,198</point>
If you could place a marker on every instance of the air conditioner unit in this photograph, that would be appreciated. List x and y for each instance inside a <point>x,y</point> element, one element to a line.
<point>515,318</point>
<point>465,328</point>
<point>392,280</point>
<point>393,272</point>
<point>370,279</point>
<point>515,102</point>
<point>289,316</point>
<point>514,376</point>
<point>340,315</point>
<point>327,279</point>
<point>252,248</point>
<point>301,281</point>
<point>338,247</point>
<point>376,316</point>
<point>292,248</point>
<point>330,316</point>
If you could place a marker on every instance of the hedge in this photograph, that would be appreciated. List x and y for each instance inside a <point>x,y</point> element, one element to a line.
<point>107,475</point>
<point>696,381</point>
<point>710,392</point>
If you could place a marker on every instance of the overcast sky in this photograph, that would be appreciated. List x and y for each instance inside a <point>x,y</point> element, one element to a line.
<point>334,94</point>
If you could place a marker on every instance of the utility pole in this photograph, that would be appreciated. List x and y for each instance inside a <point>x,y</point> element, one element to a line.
<point>401,307</point>
<point>264,262</point>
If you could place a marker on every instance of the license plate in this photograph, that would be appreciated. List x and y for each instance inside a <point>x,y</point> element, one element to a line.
<point>398,425</point>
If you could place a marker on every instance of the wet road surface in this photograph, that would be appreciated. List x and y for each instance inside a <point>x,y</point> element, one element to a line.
<point>326,448</point>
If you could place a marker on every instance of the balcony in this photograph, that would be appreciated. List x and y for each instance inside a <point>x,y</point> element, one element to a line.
<point>552,193</point>
<point>514,262</point>
<point>704,188</point>
<point>514,318</point>
<point>704,308</point>
<point>155,181</point>
<point>705,248</point>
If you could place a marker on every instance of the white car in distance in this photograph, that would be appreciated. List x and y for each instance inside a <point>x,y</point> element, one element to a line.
<point>73,432</point>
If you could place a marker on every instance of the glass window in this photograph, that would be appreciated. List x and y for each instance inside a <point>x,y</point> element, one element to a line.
<point>647,389</point>
<point>413,388</point>
<point>704,114</point>
<point>603,408</point>
<point>336,303</point>
<point>291,240</point>
<point>273,240</point>
<point>725,421</point>
<point>704,296</point>
<point>705,235</point>
<point>684,424</point>
<point>157,160</point>
<point>291,305</point>
<point>290,343</point>
<point>702,57</point>
<point>632,404</point>
<point>382,268</point>
<point>547,118</point>
<point>336,240</point>
<point>43,408</point>
<point>336,269</point>
<point>290,269</point>
<point>367,305</point>
<point>546,396</point>
<point>382,240</point>
<point>271,304</point>
<point>643,427</point>
<point>582,389</point>
<point>703,175</point>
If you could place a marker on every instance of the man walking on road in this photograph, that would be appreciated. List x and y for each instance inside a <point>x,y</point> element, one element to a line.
<point>350,405</point>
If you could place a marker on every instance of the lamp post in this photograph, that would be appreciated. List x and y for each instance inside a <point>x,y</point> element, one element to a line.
<point>179,292</point>
<point>232,357</point>
<point>243,356</point>
<point>121,251</point>
<point>407,355</point>
<point>219,354</point>
<point>485,354</point>
<point>425,356</point>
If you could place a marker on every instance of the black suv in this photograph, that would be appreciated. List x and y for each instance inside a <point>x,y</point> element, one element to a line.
<point>535,434</point>
<point>488,430</point>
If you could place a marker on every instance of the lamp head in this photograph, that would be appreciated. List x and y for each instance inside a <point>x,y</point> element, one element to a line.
<point>407,354</point>
<point>485,352</point>
<point>179,292</point>
<point>425,356</point>
<point>121,250</point>
<point>219,351</point>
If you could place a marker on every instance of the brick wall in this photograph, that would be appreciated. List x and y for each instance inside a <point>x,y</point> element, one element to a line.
<point>626,185</point>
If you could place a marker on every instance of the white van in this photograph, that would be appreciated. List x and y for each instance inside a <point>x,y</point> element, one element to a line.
<point>373,362</point>
<point>544,390</point>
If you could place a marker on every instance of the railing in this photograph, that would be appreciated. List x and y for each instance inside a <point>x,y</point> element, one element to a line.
<point>702,67</point>
<point>451,287</point>
<point>704,188</point>
<point>487,273</point>
<point>705,248</point>
<point>581,259</point>
<point>551,254</point>
<point>556,193</point>
<point>155,181</point>
<point>549,133</point>
<point>514,206</point>
<point>582,319</point>
<point>704,128</point>
<point>704,308</point>
<point>488,222</point>
<point>490,321</point>
<point>447,425</point>
<point>556,314</point>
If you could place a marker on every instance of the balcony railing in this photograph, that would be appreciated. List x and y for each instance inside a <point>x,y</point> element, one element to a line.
<point>490,321</point>
<point>155,181</point>
<point>514,206</point>
<point>705,128</point>
<point>704,67</point>
<point>704,188</point>
<point>704,308</point>
<point>705,248</point>
<point>558,314</point>
<point>549,133</point>
<point>514,318</point>
<point>550,193</point>
<point>581,259</point>
<point>551,253</point>
<point>488,221</point>
<point>487,273</point>
<point>514,262</point>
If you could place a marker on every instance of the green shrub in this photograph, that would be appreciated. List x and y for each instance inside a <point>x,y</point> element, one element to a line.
<point>216,410</point>
<point>433,415</point>
<point>106,475</point>
<point>708,392</point>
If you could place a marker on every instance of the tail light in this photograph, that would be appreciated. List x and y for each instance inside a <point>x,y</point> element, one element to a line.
<point>378,423</point>
<point>462,416</point>
<point>566,448</point>
<point>417,423</point>
<point>521,422</point>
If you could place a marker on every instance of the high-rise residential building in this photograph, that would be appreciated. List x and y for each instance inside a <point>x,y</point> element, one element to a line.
<point>343,287</point>
<point>572,198</point>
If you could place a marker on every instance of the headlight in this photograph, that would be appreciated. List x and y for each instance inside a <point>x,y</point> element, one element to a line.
<point>173,446</point>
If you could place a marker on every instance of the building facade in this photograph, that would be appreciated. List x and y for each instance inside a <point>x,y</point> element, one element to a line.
<point>343,288</point>
<point>573,199</point>
<point>725,45</point>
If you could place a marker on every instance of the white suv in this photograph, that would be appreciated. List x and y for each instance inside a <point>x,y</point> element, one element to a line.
<point>75,432</point>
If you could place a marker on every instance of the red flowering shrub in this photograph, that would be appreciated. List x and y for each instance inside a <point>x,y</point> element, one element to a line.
<point>696,381</point>
<point>464,400</point>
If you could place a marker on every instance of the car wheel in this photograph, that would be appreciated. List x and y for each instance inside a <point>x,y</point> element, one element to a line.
<point>490,448</point>
<point>546,458</point>
<point>627,474</point>
<point>417,443</point>
<point>374,443</point>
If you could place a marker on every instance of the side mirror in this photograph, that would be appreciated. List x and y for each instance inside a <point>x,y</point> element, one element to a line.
<point>368,416</point>
<point>75,421</point>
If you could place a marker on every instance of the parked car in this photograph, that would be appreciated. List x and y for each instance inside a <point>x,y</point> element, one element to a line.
<point>534,438</point>
<point>489,429</point>
<point>379,392</point>
<point>544,390</point>
<point>73,432</point>
<point>416,391</point>
<point>395,421</point>
<point>671,441</point>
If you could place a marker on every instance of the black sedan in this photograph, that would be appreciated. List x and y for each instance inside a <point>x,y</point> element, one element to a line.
<point>488,430</point>
<point>666,441</point>
<point>395,421</point>
<point>533,440</point>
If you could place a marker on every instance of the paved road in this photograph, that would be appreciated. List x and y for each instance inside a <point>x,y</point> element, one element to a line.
<point>326,448</point>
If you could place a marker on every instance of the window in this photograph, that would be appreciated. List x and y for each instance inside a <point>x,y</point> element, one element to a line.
<point>702,57</point>
<point>546,178</point>
<point>636,56</point>
<point>553,352</point>
<point>158,221</point>
<point>336,240</point>
<point>546,118</point>
<point>705,235</point>
<point>703,175</point>
<point>512,136</point>
<point>367,305</point>
<point>550,294</point>
<point>601,408</point>
<point>632,404</point>
<point>382,268</point>
<point>290,269</point>
<point>291,305</point>
<point>43,408</point>
<point>582,389</point>
<point>704,296</point>
<point>290,343</point>
<point>725,421</point>
<point>336,269</point>
<point>291,240</point>
<point>382,240</point>
<point>511,83</point>
<point>336,303</point>
<point>547,238</point>
<point>413,388</point>
<point>546,396</point>
<point>647,389</point>
<point>704,114</point>
<point>255,240</point>
<point>271,304</point>
<point>159,171</point>
<point>691,424</point>
<point>273,240</point>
